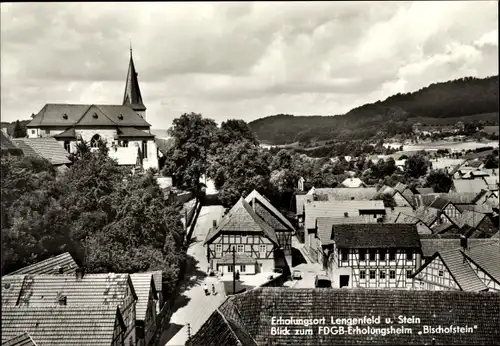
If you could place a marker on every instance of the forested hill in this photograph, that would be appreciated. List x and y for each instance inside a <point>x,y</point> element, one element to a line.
<point>464,99</point>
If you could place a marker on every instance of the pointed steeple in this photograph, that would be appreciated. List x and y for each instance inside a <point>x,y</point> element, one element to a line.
<point>132,96</point>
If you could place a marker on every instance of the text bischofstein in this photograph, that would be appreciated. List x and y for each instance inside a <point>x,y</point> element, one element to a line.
<point>321,321</point>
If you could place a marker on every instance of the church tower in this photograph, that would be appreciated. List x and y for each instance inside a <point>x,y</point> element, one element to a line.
<point>132,97</point>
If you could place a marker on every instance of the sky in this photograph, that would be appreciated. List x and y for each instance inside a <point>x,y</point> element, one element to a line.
<point>239,60</point>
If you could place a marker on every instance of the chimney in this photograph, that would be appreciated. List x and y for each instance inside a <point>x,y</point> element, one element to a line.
<point>80,272</point>
<point>214,223</point>
<point>346,214</point>
<point>62,300</point>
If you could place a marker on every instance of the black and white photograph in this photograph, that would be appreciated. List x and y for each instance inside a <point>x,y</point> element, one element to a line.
<point>250,173</point>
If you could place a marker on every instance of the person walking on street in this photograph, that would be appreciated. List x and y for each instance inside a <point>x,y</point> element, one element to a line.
<point>213,289</point>
<point>205,287</point>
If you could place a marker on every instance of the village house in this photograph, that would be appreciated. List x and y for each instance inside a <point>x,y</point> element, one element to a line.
<point>343,193</point>
<point>283,228</point>
<point>145,311</point>
<point>447,211</point>
<point>118,126</point>
<point>247,318</point>
<point>400,200</point>
<point>371,255</point>
<point>466,268</point>
<point>114,290</point>
<point>61,264</point>
<point>411,219</point>
<point>58,325</point>
<point>46,148</point>
<point>370,210</point>
<point>352,183</point>
<point>254,242</point>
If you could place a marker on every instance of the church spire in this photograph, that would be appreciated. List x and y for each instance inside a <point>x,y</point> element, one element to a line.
<point>132,96</point>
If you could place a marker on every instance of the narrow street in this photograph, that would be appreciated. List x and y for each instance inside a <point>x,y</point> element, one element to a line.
<point>192,305</point>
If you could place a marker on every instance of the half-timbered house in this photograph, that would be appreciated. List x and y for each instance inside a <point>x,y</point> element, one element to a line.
<point>372,255</point>
<point>254,241</point>
<point>400,200</point>
<point>145,316</point>
<point>447,211</point>
<point>281,225</point>
<point>464,268</point>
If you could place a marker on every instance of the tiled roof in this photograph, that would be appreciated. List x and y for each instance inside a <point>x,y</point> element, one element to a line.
<point>300,201</point>
<point>132,96</point>
<point>269,213</point>
<point>26,149</point>
<point>487,257</point>
<point>69,133</point>
<point>463,197</point>
<point>61,325</point>
<point>409,196</point>
<point>142,286</point>
<point>400,187</point>
<point>384,190</point>
<point>337,209</point>
<point>133,132</point>
<point>347,193</point>
<point>54,265</point>
<point>376,235</point>
<point>496,235</point>
<point>425,190</point>
<point>242,218</point>
<point>427,215</point>
<point>125,156</point>
<point>492,182</point>
<point>47,147</point>
<point>352,183</point>
<point>479,208</point>
<point>445,227</point>
<point>93,289</point>
<point>7,146</point>
<point>469,185</point>
<point>239,259</point>
<point>424,200</point>
<point>439,203</point>
<point>23,339</point>
<point>158,279</point>
<point>11,289</point>
<point>324,225</point>
<point>470,218</point>
<point>70,114</point>
<point>252,312</point>
<point>94,116</point>
<point>431,246</point>
<point>461,271</point>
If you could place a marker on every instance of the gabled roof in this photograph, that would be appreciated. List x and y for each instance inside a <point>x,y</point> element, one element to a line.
<point>94,116</point>
<point>62,325</point>
<point>158,279</point>
<point>132,96</point>
<point>479,208</point>
<point>143,285</point>
<point>458,198</point>
<point>242,218</point>
<point>376,235</point>
<point>439,203</point>
<point>346,193</point>
<point>68,115</point>
<point>48,148</point>
<point>124,132</point>
<point>470,218</point>
<point>487,257</point>
<point>251,312</point>
<point>431,246</point>
<point>23,339</point>
<point>469,185</point>
<point>93,289</point>
<point>7,146</point>
<point>54,265</point>
<point>336,209</point>
<point>11,289</point>
<point>427,215</point>
<point>69,133</point>
<point>400,187</point>
<point>269,214</point>
<point>325,225</point>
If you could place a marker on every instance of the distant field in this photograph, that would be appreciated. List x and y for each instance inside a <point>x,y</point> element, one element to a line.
<point>452,121</point>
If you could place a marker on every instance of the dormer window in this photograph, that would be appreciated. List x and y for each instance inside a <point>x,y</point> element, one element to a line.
<point>65,116</point>
<point>95,116</point>
<point>120,117</point>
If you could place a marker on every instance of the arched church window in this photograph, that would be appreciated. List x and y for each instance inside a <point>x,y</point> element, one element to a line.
<point>94,142</point>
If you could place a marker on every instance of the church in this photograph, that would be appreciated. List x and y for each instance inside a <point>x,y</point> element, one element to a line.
<point>122,127</point>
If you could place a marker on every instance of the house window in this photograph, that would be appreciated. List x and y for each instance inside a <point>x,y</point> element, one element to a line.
<point>392,274</point>
<point>243,269</point>
<point>262,248</point>
<point>33,132</point>
<point>382,274</point>
<point>409,255</point>
<point>392,255</point>
<point>125,144</point>
<point>441,273</point>
<point>345,254</point>
<point>372,274</point>
<point>372,255</point>
<point>362,274</point>
<point>218,248</point>
<point>67,146</point>
<point>230,269</point>
<point>382,255</point>
<point>94,142</point>
<point>408,274</point>
<point>362,254</point>
<point>145,149</point>
<point>241,248</point>
<point>47,132</point>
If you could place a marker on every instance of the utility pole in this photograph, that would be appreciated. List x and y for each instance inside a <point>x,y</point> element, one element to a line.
<point>234,270</point>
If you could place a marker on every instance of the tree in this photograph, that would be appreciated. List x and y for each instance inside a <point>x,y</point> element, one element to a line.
<point>234,130</point>
<point>439,180</point>
<point>194,139</point>
<point>19,132</point>
<point>491,161</point>
<point>417,165</point>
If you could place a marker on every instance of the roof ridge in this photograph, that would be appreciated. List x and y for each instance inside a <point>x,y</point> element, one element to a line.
<point>103,112</point>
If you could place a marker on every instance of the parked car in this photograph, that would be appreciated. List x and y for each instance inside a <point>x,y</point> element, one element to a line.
<point>297,275</point>
<point>322,281</point>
